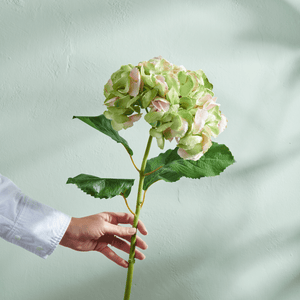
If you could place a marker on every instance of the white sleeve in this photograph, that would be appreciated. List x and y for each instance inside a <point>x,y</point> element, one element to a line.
<point>27,223</point>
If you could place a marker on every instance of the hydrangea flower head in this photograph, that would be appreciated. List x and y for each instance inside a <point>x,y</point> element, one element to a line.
<point>179,104</point>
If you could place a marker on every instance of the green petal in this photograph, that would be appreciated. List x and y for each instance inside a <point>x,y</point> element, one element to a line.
<point>148,97</point>
<point>182,76</point>
<point>187,87</point>
<point>172,96</point>
<point>153,116</point>
<point>187,102</point>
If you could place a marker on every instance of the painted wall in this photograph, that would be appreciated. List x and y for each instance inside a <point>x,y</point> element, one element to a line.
<point>232,237</point>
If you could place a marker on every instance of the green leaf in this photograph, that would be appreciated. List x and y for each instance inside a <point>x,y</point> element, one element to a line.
<point>102,124</point>
<point>102,187</point>
<point>212,163</point>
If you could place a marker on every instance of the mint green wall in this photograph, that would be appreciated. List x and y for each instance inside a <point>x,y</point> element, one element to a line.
<point>233,237</point>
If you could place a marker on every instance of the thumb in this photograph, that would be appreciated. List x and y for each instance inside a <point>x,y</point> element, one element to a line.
<point>119,230</point>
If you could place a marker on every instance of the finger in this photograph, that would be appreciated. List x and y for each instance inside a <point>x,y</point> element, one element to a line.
<point>122,245</point>
<point>118,230</point>
<point>139,242</point>
<point>142,228</point>
<point>110,254</point>
<point>125,218</point>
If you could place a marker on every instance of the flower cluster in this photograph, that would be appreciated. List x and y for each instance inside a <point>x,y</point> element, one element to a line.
<point>179,104</point>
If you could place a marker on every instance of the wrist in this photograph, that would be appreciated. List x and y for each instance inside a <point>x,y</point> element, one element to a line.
<point>69,235</point>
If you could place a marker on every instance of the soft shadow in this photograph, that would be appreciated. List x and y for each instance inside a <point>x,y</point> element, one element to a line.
<point>275,22</point>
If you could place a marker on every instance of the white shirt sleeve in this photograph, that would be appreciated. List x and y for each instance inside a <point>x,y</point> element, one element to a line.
<point>27,223</point>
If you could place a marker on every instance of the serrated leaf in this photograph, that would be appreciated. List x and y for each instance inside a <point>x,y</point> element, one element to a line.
<point>102,187</point>
<point>102,124</point>
<point>212,163</point>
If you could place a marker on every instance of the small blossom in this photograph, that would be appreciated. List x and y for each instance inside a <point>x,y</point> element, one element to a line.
<point>200,118</point>
<point>159,104</point>
<point>223,123</point>
<point>182,153</point>
<point>161,82</point>
<point>132,119</point>
<point>108,87</point>
<point>135,82</point>
<point>170,134</point>
<point>111,101</point>
<point>208,102</point>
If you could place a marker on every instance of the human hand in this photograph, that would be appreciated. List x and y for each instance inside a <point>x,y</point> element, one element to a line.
<point>95,232</point>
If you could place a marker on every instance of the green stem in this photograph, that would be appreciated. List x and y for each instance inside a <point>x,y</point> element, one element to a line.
<point>131,260</point>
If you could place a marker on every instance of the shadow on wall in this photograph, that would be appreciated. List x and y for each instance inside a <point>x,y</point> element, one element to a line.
<point>147,284</point>
<point>276,22</point>
<point>221,273</point>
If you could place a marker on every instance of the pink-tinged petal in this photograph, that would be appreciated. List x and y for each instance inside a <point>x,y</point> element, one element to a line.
<point>159,79</point>
<point>141,85</point>
<point>155,60</point>
<point>159,104</point>
<point>183,129</point>
<point>222,124</point>
<point>165,105</point>
<point>200,118</point>
<point>196,157</point>
<point>177,69</point>
<point>185,126</point>
<point>135,82</point>
<point>135,117</point>
<point>211,103</point>
<point>109,83</point>
<point>206,143</point>
<point>132,119</point>
<point>170,134</point>
<point>196,81</point>
<point>182,153</point>
<point>111,101</point>
<point>201,101</point>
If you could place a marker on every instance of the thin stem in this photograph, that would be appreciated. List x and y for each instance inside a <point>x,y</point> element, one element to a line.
<point>153,171</point>
<point>131,259</point>
<point>132,160</point>
<point>147,190</point>
<point>144,197</point>
<point>127,204</point>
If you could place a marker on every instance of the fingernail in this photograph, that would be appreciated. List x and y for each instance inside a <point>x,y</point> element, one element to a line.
<point>132,230</point>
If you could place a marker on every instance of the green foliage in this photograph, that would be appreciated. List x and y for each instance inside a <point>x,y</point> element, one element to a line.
<point>102,124</point>
<point>212,163</point>
<point>102,187</point>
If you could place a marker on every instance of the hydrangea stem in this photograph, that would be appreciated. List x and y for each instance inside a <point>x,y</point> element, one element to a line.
<point>131,259</point>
